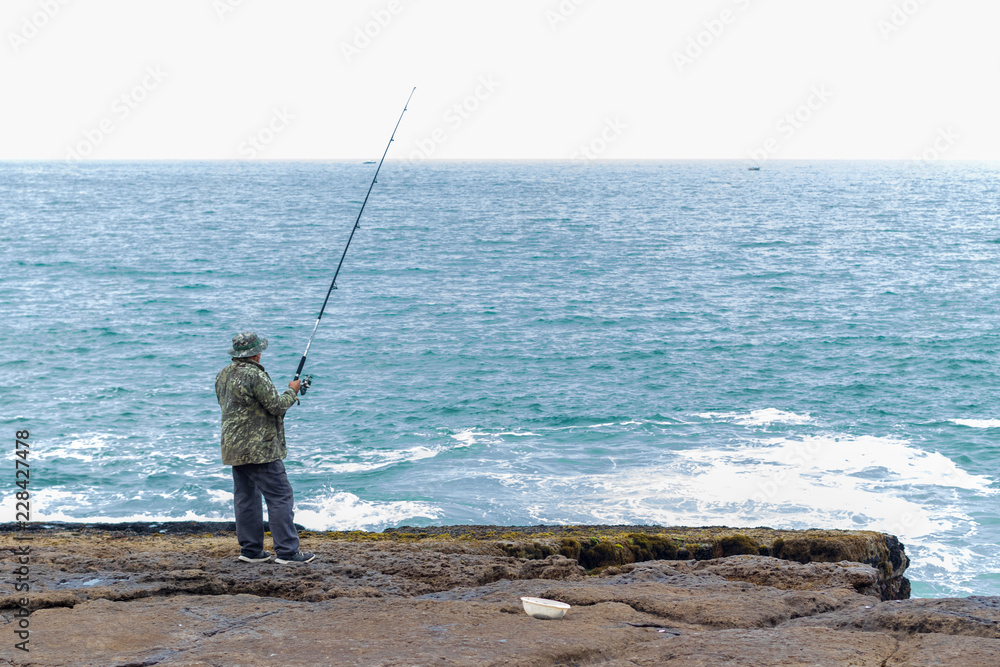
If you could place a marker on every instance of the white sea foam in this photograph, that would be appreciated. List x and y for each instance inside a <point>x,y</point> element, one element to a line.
<point>374,460</point>
<point>468,437</point>
<point>42,515</point>
<point>758,417</point>
<point>823,456</point>
<point>41,499</point>
<point>625,423</point>
<point>471,437</point>
<point>346,511</point>
<point>977,423</point>
<point>332,511</point>
<point>84,448</point>
<point>815,481</point>
<point>845,482</point>
<point>217,496</point>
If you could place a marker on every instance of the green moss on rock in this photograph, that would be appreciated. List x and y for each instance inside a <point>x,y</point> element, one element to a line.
<point>652,547</point>
<point>735,545</point>
<point>605,553</point>
<point>570,547</point>
<point>607,546</point>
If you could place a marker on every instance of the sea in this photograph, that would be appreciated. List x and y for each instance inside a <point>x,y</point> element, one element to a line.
<point>690,343</point>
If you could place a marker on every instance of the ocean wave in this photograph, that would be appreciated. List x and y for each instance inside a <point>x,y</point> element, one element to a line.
<point>45,501</point>
<point>84,448</point>
<point>345,511</point>
<point>218,496</point>
<point>848,483</point>
<point>887,460</point>
<point>758,417</point>
<point>43,515</point>
<point>331,511</point>
<point>977,423</point>
<point>472,436</point>
<point>376,460</point>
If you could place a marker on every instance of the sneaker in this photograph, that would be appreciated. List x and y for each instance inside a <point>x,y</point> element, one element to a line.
<point>260,557</point>
<point>297,557</point>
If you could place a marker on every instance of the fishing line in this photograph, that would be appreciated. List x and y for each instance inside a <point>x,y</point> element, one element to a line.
<point>307,380</point>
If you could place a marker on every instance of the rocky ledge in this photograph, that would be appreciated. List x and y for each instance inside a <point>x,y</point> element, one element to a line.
<point>174,594</point>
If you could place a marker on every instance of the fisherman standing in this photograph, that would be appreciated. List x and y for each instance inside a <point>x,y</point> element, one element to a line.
<point>253,443</point>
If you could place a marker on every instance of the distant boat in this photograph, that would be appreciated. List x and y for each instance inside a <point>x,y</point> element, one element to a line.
<point>753,168</point>
<point>369,162</point>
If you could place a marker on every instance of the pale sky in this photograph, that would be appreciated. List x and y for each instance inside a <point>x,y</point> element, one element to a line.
<point>510,79</point>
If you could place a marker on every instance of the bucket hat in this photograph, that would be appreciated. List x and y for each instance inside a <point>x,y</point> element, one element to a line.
<point>247,344</point>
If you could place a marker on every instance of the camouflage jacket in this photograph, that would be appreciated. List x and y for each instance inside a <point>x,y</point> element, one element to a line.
<point>253,428</point>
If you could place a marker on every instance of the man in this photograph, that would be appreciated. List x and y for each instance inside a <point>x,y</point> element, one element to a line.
<point>253,443</point>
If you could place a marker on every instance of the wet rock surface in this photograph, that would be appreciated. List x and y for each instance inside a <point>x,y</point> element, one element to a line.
<point>147,595</point>
<point>970,617</point>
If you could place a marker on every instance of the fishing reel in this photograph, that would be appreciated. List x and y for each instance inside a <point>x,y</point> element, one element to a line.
<point>306,383</point>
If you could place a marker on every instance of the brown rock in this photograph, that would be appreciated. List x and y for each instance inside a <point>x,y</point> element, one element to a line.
<point>553,567</point>
<point>971,617</point>
<point>401,599</point>
<point>616,546</point>
<point>789,575</point>
<point>238,630</point>
<point>41,600</point>
<point>729,605</point>
<point>943,650</point>
<point>756,648</point>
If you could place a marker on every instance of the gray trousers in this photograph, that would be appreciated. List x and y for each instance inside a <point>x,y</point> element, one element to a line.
<point>249,483</point>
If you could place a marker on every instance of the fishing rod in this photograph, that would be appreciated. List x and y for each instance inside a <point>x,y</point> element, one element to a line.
<point>307,380</point>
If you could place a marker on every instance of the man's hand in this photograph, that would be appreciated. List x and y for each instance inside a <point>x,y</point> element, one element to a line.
<point>295,385</point>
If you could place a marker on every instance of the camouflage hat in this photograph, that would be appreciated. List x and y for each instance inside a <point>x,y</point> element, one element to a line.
<point>247,344</point>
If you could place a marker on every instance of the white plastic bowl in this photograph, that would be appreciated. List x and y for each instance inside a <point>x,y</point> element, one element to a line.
<point>541,608</point>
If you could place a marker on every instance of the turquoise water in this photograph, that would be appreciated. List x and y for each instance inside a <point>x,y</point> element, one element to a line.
<point>687,343</point>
